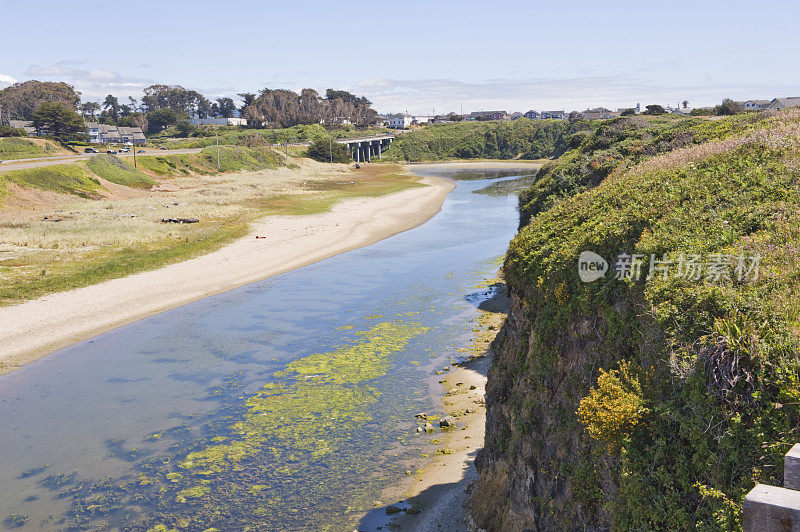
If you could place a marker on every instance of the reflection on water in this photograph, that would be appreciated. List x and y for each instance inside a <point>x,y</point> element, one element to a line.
<point>287,403</point>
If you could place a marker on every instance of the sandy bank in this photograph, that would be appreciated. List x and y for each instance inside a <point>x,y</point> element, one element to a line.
<point>435,497</point>
<point>35,328</point>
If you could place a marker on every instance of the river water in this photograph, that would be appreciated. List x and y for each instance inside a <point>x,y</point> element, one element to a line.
<point>285,404</point>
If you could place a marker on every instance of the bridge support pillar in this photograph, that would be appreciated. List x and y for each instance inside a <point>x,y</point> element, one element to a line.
<point>369,152</point>
<point>380,155</point>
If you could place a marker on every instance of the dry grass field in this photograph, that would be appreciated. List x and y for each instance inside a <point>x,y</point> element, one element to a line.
<point>52,241</point>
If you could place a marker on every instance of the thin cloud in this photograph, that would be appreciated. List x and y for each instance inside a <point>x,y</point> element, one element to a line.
<point>93,84</point>
<point>443,95</point>
<point>5,78</point>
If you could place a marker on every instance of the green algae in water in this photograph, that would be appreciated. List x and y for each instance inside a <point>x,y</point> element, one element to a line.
<point>279,462</point>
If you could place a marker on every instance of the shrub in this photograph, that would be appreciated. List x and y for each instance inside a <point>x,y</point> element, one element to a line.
<point>325,151</point>
<point>728,107</point>
<point>614,407</point>
<point>8,131</point>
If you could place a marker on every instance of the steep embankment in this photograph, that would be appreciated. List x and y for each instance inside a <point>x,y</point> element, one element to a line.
<point>649,403</point>
<point>520,139</point>
<point>27,148</point>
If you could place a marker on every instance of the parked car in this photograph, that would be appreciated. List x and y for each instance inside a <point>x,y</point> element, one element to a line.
<point>124,150</point>
<point>162,148</point>
<point>111,152</point>
<point>140,151</point>
<point>90,150</point>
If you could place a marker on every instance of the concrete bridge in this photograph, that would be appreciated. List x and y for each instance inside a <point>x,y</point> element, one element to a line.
<point>365,148</point>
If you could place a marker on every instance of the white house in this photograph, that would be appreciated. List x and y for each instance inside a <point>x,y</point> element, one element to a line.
<point>755,105</point>
<point>400,121</point>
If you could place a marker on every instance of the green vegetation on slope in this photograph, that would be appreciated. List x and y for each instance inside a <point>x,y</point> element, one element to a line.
<point>17,148</point>
<point>520,139</point>
<point>112,169</point>
<point>652,404</point>
<point>63,178</point>
<point>231,159</point>
<point>616,145</point>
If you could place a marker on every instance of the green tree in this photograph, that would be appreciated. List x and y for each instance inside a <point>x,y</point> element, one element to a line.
<point>628,112</point>
<point>247,99</point>
<point>728,107</point>
<point>134,120</point>
<point>89,109</point>
<point>226,107</point>
<point>8,131</point>
<point>323,149</point>
<point>160,119</point>
<point>184,127</point>
<point>21,100</point>
<point>59,121</point>
<point>111,105</point>
<point>654,110</point>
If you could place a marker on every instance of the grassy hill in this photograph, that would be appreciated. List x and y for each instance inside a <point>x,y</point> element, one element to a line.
<point>520,139</point>
<point>653,403</point>
<point>25,148</point>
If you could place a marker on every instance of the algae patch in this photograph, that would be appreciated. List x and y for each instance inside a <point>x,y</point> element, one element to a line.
<point>300,424</point>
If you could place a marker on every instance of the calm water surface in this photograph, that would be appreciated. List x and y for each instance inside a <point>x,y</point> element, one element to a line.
<point>284,404</point>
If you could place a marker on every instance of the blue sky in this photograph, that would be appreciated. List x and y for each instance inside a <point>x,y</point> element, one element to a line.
<point>414,55</point>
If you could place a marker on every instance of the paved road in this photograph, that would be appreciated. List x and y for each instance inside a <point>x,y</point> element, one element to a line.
<point>20,164</point>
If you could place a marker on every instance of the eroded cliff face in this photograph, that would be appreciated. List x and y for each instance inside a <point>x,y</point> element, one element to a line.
<point>653,401</point>
<point>537,470</point>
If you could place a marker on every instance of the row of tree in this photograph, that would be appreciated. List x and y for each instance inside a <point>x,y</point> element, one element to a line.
<point>164,105</point>
<point>285,108</point>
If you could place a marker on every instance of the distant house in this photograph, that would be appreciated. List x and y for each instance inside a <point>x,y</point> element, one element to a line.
<point>133,135</point>
<point>597,113</point>
<point>400,121</point>
<point>108,134</point>
<point>515,116</point>
<point>488,115</point>
<point>94,132</point>
<point>218,121</point>
<point>783,103</point>
<point>533,115</point>
<point>27,125</point>
<point>558,115</point>
<point>755,105</point>
<point>421,119</point>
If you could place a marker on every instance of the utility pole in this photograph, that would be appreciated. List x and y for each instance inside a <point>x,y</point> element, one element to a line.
<point>133,136</point>
<point>217,131</point>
